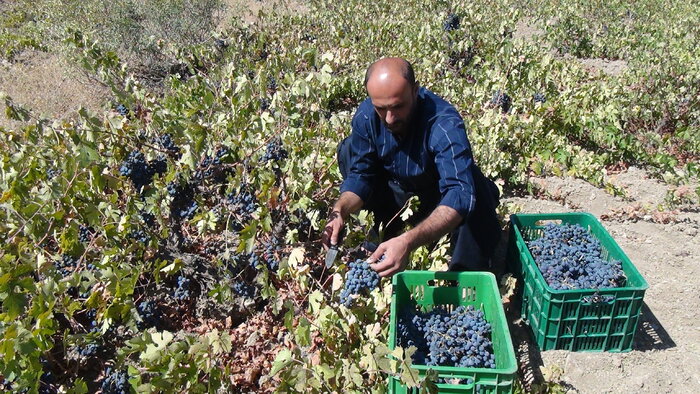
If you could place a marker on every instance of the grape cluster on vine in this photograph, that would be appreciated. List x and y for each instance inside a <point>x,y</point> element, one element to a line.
<point>116,382</point>
<point>88,351</point>
<point>460,337</point>
<point>501,100</point>
<point>74,291</point>
<point>272,83</point>
<point>243,289</point>
<point>539,98</point>
<point>274,151</point>
<point>47,378</point>
<point>165,141</point>
<point>271,249</point>
<point>210,167</point>
<point>85,233</point>
<point>360,279</point>
<point>302,223</point>
<point>52,173</point>
<point>91,316</point>
<point>183,205</point>
<point>139,236</point>
<point>66,265</point>
<point>122,110</point>
<point>182,292</point>
<point>243,204</point>
<point>150,314</point>
<point>569,257</point>
<point>148,219</point>
<point>451,23</point>
<point>140,171</point>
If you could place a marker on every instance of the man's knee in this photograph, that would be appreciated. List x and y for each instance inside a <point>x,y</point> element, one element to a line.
<point>467,255</point>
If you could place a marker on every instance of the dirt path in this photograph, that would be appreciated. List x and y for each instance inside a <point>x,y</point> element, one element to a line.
<point>45,84</point>
<point>666,355</point>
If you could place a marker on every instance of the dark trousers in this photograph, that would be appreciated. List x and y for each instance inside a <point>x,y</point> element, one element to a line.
<point>472,243</point>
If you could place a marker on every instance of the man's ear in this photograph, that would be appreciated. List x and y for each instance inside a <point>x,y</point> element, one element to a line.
<point>415,89</point>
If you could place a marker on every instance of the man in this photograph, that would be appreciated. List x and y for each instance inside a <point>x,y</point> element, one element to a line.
<point>407,141</point>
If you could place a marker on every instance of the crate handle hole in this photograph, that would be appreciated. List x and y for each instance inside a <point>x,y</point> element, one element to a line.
<point>544,222</point>
<point>598,299</point>
<point>418,292</point>
<point>468,294</point>
<point>442,283</point>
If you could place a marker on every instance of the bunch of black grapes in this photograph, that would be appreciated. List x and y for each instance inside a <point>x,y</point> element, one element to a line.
<point>210,167</point>
<point>150,314</point>
<point>182,291</point>
<point>52,173</point>
<point>88,351</point>
<point>360,279</point>
<point>569,257</point>
<point>85,233</point>
<point>243,289</point>
<point>242,204</point>
<point>274,151</point>
<point>240,261</point>
<point>183,205</point>
<point>116,382</point>
<point>165,141</point>
<point>140,171</point>
<point>66,265</point>
<point>148,219</point>
<point>451,23</point>
<point>457,338</point>
<point>501,100</point>
<point>122,110</point>
<point>139,236</point>
<point>270,253</point>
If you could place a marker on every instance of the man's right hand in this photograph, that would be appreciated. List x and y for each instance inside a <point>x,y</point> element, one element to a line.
<point>348,203</point>
<point>331,233</point>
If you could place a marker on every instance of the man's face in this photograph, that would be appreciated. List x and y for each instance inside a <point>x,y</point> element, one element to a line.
<point>394,100</point>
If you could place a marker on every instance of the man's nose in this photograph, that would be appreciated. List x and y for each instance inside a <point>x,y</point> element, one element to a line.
<point>390,117</point>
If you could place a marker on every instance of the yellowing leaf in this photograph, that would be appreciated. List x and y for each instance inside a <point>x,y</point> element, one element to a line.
<point>296,257</point>
<point>337,282</point>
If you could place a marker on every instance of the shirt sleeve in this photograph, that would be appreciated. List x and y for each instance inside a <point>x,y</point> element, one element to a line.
<point>363,159</point>
<point>454,161</point>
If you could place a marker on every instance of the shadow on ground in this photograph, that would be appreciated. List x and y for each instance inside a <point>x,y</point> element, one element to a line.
<point>650,334</point>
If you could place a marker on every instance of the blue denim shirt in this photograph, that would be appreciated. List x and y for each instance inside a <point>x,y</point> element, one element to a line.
<point>433,157</point>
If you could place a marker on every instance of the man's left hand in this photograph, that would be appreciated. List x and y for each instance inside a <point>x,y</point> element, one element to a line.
<point>395,257</point>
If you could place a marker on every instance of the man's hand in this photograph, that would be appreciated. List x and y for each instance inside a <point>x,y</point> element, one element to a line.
<point>395,251</point>
<point>348,203</point>
<point>391,256</point>
<point>333,228</point>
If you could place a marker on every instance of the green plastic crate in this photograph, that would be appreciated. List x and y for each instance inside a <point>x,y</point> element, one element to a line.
<point>575,320</point>
<point>430,288</point>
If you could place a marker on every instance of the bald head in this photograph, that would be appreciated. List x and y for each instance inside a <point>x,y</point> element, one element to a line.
<point>391,66</point>
<point>391,85</point>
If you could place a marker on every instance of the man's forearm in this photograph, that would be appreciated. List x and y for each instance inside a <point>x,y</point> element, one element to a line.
<point>441,221</point>
<point>347,203</point>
